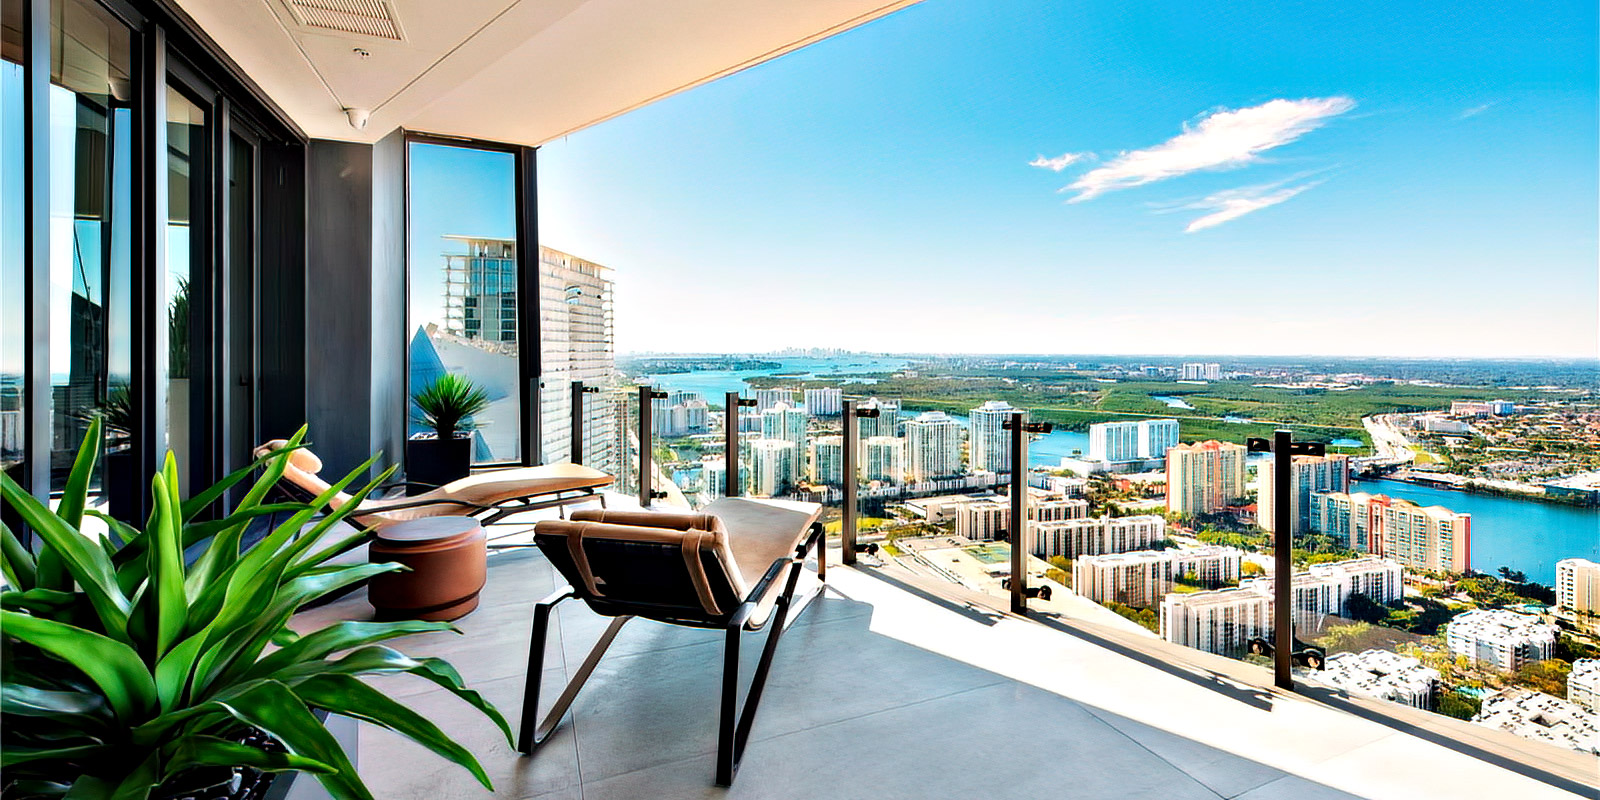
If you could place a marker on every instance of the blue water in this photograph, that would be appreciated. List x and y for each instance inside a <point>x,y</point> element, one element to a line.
<point>1525,535</point>
<point>1172,402</point>
<point>714,384</point>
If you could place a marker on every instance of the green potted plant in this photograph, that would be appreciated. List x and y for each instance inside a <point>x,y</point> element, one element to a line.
<point>130,674</point>
<point>447,404</point>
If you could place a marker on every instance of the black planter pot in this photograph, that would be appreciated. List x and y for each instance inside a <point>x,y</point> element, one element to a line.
<point>438,461</point>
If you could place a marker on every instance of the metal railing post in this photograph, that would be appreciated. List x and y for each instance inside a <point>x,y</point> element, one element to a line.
<point>1282,560</point>
<point>848,479</point>
<point>1019,514</point>
<point>1020,430</point>
<point>731,404</point>
<point>578,409</point>
<point>647,445</point>
<point>1283,449</point>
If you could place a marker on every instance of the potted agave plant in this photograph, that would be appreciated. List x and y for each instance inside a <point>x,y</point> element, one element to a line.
<point>447,405</point>
<point>133,675</point>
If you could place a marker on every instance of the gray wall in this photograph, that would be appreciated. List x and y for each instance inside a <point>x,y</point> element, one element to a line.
<point>355,302</point>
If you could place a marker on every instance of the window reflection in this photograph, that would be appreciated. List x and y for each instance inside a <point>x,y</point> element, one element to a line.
<point>463,284</point>
<point>90,200</point>
<point>13,337</point>
<point>185,159</point>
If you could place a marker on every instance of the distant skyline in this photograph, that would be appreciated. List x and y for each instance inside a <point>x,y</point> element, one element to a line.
<point>1026,177</point>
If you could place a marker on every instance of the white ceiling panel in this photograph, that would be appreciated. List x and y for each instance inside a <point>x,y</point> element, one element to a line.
<point>523,71</point>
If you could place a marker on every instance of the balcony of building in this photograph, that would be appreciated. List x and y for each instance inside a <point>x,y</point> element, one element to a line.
<point>894,684</point>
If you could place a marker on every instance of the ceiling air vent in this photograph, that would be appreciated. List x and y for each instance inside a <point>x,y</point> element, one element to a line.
<point>360,17</point>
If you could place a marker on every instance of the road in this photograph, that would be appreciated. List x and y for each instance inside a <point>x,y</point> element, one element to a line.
<point>1390,445</point>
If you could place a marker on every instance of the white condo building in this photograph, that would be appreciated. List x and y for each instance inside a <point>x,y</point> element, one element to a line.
<point>824,402</point>
<point>1432,537</point>
<point>990,517</point>
<point>1205,477</point>
<point>1578,585</point>
<point>1504,640</point>
<point>1201,372</point>
<point>1543,718</point>
<point>1092,537</point>
<point>1583,684</point>
<point>767,398</point>
<point>575,344</point>
<point>933,446</point>
<point>713,477</point>
<point>1323,589</point>
<point>774,468</point>
<point>783,421</point>
<point>883,458</point>
<point>1308,475</point>
<point>827,460</point>
<point>990,442</point>
<point>1221,621</point>
<point>887,423</point>
<point>1141,578</point>
<point>1114,441</point>
<point>1382,674</point>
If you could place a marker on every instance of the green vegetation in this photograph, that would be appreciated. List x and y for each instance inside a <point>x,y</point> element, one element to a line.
<point>1458,706</point>
<point>1143,616</point>
<point>1492,592</point>
<point>1548,676</point>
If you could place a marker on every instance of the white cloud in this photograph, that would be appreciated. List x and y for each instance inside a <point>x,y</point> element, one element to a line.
<point>1220,140</point>
<point>1474,111</point>
<point>1232,204</point>
<point>1060,162</point>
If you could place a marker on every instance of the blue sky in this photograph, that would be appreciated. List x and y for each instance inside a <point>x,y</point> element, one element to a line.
<point>1411,181</point>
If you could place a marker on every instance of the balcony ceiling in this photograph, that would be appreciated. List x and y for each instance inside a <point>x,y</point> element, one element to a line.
<point>523,71</point>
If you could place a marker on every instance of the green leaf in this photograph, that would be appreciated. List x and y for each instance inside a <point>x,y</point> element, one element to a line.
<point>234,655</point>
<point>196,751</point>
<point>380,659</point>
<point>141,781</point>
<point>174,671</point>
<point>166,561</point>
<point>82,560</point>
<point>89,787</point>
<point>344,694</point>
<point>53,571</point>
<point>12,756</point>
<point>48,603</point>
<point>318,645</point>
<point>31,701</point>
<point>110,664</point>
<point>15,560</point>
<point>199,502</point>
<point>273,708</point>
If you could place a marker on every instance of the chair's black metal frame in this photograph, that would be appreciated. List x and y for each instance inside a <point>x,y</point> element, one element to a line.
<point>734,732</point>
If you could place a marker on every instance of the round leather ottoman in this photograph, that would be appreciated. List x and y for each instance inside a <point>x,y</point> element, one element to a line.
<point>448,558</point>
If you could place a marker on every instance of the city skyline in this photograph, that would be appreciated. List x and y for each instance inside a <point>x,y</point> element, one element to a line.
<point>1408,175</point>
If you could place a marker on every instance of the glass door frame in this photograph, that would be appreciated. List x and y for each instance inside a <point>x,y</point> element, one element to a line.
<point>530,368</point>
<point>235,109</point>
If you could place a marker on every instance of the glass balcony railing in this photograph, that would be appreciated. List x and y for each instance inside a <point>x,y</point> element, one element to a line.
<point>1175,527</point>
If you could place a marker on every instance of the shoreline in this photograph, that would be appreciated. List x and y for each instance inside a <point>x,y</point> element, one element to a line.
<point>1473,486</point>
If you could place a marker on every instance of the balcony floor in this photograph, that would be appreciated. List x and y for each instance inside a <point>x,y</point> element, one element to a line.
<point>881,691</point>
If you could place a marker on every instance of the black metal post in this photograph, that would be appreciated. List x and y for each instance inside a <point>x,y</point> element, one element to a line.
<point>848,478</point>
<point>1019,512</point>
<point>731,403</point>
<point>578,409</point>
<point>647,495</point>
<point>1283,561</point>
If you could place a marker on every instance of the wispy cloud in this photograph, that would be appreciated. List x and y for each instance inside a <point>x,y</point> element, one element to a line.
<point>1219,140</point>
<point>1232,204</point>
<point>1475,111</point>
<point>1060,162</point>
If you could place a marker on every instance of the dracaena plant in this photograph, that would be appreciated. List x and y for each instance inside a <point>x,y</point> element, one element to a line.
<point>448,403</point>
<point>130,674</point>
